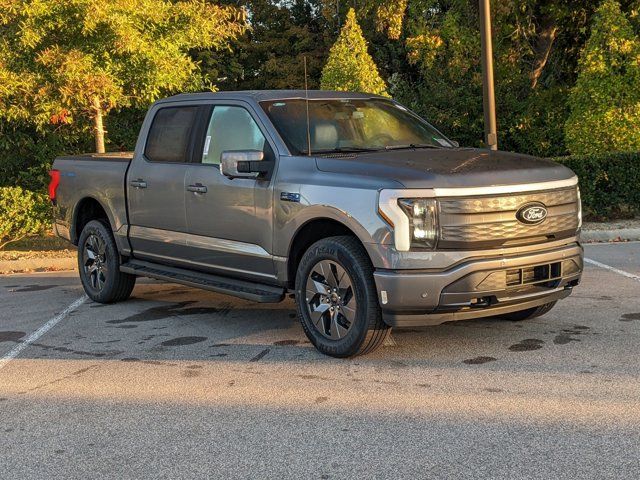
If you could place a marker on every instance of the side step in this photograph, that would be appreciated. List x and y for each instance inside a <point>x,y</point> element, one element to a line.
<point>256,292</point>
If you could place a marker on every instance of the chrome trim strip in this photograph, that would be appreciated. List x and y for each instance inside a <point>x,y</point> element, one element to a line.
<point>157,235</point>
<point>199,241</point>
<point>388,201</point>
<point>476,191</point>
<point>502,189</point>
<point>228,246</point>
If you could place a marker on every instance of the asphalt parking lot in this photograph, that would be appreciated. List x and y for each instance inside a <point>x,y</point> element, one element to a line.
<point>178,382</point>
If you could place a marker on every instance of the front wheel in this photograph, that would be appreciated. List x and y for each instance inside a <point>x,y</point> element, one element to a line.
<point>99,265</point>
<point>337,300</point>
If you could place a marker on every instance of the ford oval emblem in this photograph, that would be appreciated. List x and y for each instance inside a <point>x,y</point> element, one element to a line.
<point>532,213</point>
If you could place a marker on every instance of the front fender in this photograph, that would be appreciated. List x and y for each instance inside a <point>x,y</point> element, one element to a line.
<point>356,210</point>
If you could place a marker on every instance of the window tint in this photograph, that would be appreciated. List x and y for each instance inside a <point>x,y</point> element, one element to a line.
<point>170,134</point>
<point>230,128</point>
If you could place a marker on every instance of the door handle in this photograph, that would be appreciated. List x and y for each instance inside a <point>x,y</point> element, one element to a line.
<point>139,183</point>
<point>197,188</point>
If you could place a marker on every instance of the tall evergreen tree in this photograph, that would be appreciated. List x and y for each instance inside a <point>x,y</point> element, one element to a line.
<point>605,102</point>
<point>349,66</point>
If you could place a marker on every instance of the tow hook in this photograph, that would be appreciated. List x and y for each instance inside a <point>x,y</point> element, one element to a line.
<point>483,302</point>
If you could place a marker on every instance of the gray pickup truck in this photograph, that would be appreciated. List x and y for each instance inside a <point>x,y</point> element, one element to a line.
<point>353,203</point>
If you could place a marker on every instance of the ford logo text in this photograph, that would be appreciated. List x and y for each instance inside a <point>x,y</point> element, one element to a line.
<point>532,213</point>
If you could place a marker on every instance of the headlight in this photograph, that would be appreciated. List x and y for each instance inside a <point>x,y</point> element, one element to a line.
<point>423,227</point>
<point>412,213</point>
<point>579,210</point>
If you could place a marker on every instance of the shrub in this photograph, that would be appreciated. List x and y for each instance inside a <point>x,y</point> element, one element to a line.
<point>26,152</point>
<point>609,183</point>
<point>22,213</point>
<point>605,101</point>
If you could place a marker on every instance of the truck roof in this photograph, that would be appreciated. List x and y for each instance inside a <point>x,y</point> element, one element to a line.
<point>267,95</point>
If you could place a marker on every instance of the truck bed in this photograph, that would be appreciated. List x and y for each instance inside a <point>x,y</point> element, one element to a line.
<point>97,176</point>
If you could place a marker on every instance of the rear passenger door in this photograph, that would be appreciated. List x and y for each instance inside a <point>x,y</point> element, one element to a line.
<point>155,186</point>
<point>230,220</point>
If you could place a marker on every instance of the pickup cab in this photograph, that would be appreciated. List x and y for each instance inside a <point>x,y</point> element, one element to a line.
<point>362,210</point>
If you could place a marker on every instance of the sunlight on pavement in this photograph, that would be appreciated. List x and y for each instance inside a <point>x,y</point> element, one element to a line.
<point>580,399</point>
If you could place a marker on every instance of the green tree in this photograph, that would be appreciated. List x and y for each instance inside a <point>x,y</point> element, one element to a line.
<point>64,59</point>
<point>349,66</point>
<point>270,55</point>
<point>536,46</point>
<point>605,102</point>
<point>386,17</point>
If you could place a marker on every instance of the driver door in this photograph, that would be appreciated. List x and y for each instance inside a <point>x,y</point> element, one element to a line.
<point>229,221</point>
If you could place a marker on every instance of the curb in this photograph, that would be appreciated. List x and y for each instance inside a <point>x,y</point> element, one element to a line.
<point>38,265</point>
<point>619,235</point>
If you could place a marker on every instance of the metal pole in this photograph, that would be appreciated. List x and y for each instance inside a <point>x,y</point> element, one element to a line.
<point>489,97</point>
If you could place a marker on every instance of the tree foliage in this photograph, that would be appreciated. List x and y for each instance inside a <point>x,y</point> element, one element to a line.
<point>605,102</point>
<point>427,51</point>
<point>349,66</point>
<point>270,55</point>
<point>534,54</point>
<point>608,183</point>
<point>70,58</point>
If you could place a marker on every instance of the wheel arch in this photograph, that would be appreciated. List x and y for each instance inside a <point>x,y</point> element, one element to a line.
<point>87,209</point>
<point>309,233</point>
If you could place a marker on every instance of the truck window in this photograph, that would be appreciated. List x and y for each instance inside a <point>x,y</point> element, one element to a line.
<point>230,128</point>
<point>343,123</point>
<point>170,133</point>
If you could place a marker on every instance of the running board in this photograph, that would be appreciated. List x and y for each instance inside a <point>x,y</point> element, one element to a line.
<point>255,292</point>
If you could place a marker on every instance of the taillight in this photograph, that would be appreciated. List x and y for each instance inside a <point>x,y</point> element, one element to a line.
<point>53,184</point>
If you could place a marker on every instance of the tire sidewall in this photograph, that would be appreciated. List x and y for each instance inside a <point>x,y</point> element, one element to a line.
<point>328,249</point>
<point>100,229</point>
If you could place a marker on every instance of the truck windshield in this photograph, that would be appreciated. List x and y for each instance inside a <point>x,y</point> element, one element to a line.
<point>350,125</point>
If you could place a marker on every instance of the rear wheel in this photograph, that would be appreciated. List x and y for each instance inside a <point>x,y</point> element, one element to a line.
<point>337,300</point>
<point>529,313</point>
<point>99,265</point>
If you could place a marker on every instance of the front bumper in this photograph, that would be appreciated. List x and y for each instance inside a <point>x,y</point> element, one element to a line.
<point>478,287</point>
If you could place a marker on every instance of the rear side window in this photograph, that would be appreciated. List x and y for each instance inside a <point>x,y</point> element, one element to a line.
<point>170,135</point>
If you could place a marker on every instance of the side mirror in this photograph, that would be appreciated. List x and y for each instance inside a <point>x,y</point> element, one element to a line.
<point>242,163</point>
<point>455,143</point>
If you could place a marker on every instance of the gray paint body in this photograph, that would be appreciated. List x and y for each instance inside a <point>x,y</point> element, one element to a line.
<point>241,228</point>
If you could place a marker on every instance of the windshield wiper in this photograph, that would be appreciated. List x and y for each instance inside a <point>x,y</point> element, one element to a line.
<point>345,150</point>
<point>411,145</point>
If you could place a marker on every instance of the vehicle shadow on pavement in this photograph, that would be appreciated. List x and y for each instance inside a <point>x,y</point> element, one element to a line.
<point>163,322</point>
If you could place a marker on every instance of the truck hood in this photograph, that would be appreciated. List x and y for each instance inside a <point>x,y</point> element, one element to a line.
<point>448,168</point>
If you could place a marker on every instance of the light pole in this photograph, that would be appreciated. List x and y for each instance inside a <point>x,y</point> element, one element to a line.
<point>489,97</point>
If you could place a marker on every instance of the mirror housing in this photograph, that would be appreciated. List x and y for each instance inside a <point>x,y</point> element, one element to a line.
<point>455,144</point>
<point>242,163</point>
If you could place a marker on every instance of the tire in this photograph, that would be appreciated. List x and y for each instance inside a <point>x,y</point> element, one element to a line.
<point>354,326</point>
<point>99,265</point>
<point>529,313</point>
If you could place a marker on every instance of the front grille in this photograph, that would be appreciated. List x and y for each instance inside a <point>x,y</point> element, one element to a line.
<point>537,274</point>
<point>486,222</point>
<point>517,278</point>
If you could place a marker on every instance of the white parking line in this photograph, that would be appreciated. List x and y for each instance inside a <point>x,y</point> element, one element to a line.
<point>41,331</point>
<point>613,269</point>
